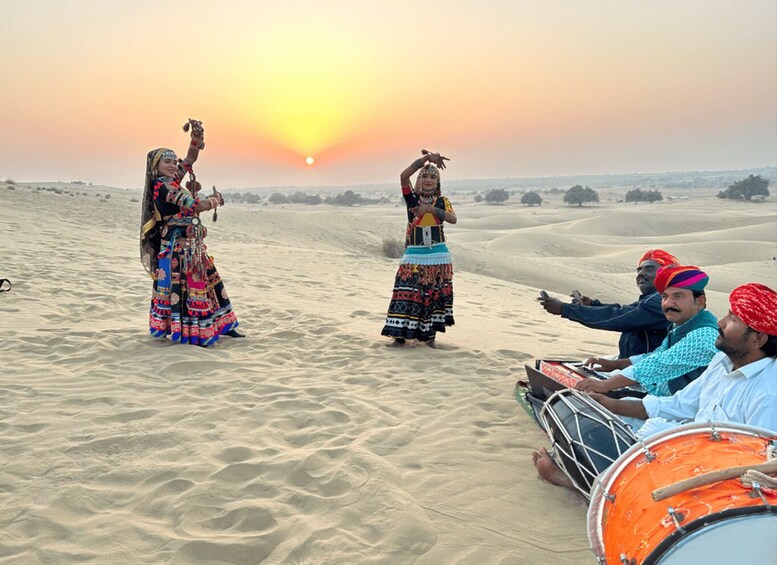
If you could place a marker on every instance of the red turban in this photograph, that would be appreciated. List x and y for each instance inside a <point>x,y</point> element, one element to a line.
<point>756,305</point>
<point>688,277</point>
<point>659,256</point>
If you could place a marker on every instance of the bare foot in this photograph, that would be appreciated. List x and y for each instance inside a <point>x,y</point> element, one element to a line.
<point>432,343</point>
<point>548,470</point>
<point>398,342</point>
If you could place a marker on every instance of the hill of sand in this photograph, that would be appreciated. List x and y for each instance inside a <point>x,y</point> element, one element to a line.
<point>311,440</point>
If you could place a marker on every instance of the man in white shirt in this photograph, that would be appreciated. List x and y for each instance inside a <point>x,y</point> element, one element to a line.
<point>739,385</point>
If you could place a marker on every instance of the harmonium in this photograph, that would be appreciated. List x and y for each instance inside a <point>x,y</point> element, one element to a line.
<point>548,376</point>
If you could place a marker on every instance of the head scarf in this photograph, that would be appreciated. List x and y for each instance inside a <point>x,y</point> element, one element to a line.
<point>430,169</point>
<point>756,305</point>
<point>149,215</point>
<point>688,277</point>
<point>660,256</point>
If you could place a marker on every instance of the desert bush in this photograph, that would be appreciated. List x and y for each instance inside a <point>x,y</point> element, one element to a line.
<point>531,199</point>
<point>393,248</point>
<point>746,189</point>
<point>496,196</point>
<point>579,195</point>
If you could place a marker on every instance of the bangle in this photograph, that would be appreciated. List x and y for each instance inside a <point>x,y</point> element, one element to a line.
<point>441,213</point>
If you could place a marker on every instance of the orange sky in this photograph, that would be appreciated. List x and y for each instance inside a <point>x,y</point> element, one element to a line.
<point>504,87</point>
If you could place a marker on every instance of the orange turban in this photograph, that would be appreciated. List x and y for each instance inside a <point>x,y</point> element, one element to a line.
<point>681,276</point>
<point>659,256</point>
<point>756,306</point>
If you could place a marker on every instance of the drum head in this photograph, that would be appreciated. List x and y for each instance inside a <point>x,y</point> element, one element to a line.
<point>750,539</point>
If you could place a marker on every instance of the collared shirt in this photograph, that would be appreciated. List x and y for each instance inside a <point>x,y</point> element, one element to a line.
<point>689,346</point>
<point>747,395</point>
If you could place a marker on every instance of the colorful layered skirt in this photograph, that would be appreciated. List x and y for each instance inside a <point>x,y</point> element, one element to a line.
<point>189,301</point>
<point>422,300</point>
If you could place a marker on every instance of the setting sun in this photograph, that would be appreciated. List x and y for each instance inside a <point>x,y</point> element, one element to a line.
<point>310,161</point>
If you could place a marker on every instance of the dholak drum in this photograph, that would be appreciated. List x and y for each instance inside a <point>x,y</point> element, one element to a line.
<point>720,523</point>
<point>586,437</point>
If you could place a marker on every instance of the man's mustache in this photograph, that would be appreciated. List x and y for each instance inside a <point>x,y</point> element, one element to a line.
<point>671,310</point>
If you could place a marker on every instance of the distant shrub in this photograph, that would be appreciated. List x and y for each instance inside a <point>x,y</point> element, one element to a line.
<point>11,187</point>
<point>531,199</point>
<point>303,198</point>
<point>639,195</point>
<point>107,196</point>
<point>393,248</point>
<point>277,198</point>
<point>746,189</point>
<point>496,196</point>
<point>478,197</point>
<point>10,181</point>
<point>134,200</point>
<point>579,195</point>
<point>348,198</point>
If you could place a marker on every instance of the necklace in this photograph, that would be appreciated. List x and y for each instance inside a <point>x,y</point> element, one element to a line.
<point>426,199</point>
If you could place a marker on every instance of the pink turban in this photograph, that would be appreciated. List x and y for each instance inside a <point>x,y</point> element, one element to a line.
<point>688,277</point>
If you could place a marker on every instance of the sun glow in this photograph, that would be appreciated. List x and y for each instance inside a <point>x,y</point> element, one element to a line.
<point>302,98</point>
<point>310,161</point>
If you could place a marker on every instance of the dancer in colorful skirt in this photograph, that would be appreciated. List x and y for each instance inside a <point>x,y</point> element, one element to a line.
<point>189,302</point>
<point>422,300</point>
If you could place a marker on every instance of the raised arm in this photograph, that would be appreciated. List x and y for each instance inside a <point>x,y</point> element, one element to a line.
<point>197,143</point>
<point>435,158</point>
<point>404,176</point>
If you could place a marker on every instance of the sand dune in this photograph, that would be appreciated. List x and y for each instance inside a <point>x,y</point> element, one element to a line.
<point>310,441</point>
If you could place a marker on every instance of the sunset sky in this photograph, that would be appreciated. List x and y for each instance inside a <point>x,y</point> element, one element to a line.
<point>505,88</point>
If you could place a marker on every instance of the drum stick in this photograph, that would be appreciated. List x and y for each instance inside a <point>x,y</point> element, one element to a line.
<point>711,477</point>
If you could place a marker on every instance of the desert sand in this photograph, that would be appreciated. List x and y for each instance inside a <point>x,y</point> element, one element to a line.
<point>311,440</point>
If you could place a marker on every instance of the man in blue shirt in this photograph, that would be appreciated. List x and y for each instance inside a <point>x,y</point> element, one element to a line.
<point>642,324</point>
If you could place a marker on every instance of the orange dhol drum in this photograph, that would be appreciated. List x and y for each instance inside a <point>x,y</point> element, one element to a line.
<point>720,523</point>
<point>587,438</point>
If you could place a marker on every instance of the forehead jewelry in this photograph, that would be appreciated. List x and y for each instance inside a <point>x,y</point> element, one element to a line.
<point>430,170</point>
<point>169,154</point>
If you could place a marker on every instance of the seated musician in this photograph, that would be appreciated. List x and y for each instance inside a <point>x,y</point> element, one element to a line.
<point>739,386</point>
<point>686,350</point>
<point>642,324</point>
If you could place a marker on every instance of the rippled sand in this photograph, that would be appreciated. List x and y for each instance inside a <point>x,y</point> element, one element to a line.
<point>310,441</point>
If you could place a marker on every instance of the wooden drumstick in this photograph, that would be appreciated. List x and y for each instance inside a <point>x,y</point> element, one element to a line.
<point>711,477</point>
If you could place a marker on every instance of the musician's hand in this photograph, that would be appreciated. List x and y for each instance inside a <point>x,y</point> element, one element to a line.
<point>594,385</point>
<point>552,305</point>
<point>586,300</point>
<point>604,365</point>
<point>603,399</point>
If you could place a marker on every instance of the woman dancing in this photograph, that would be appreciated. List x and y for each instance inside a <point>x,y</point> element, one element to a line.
<point>189,302</point>
<point>422,300</point>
